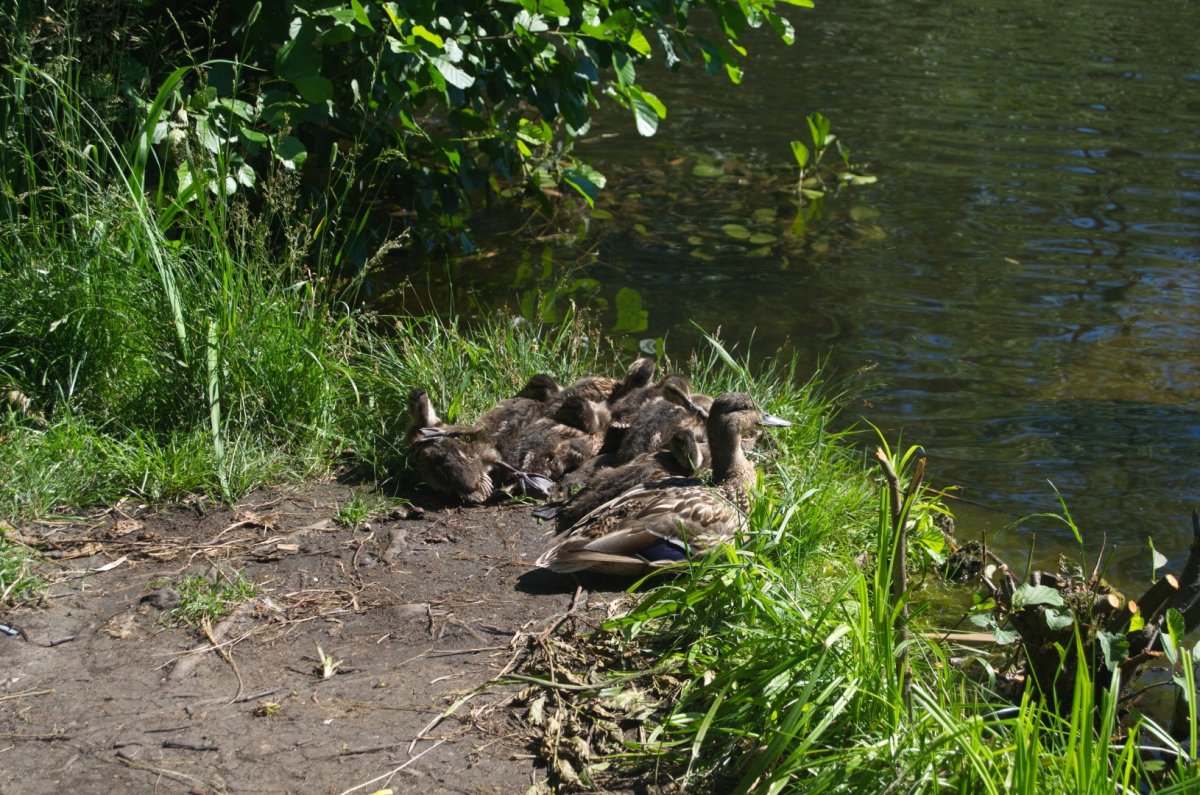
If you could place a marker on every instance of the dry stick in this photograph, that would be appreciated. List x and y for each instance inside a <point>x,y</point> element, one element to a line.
<point>206,626</point>
<point>26,694</point>
<point>388,776</point>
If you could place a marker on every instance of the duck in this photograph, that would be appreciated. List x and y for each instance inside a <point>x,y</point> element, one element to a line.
<point>683,456</point>
<point>662,523</point>
<point>553,446</point>
<point>605,389</point>
<point>504,422</point>
<point>671,406</point>
<point>450,461</point>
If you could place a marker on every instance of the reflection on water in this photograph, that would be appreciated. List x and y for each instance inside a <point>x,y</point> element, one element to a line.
<point>1025,275</point>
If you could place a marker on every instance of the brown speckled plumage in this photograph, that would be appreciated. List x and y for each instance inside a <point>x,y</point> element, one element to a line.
<point>659,523</point>
<point>553,446</point>
<point>683,457</point>
<point>667,407</point>
<point>455,466</point>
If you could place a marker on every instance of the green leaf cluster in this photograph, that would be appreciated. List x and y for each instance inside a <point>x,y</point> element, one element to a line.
<point>449,102</point>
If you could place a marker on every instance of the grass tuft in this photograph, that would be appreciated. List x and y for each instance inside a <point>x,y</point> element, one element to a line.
<point>209,599</point>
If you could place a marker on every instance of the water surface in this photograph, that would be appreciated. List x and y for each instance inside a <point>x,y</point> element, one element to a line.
<point>1023,283</point>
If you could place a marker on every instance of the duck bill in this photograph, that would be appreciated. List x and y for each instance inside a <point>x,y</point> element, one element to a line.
<point>695,409</point>
<point>770,420</point>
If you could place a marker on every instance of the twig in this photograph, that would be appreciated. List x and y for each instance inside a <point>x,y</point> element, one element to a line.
<point>26,694</point>
<point>388,776</point>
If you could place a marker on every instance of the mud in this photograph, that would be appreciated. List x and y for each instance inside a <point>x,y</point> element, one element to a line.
<point>102,695</point>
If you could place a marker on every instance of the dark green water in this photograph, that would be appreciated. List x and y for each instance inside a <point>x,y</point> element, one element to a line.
<point>1024,279</point>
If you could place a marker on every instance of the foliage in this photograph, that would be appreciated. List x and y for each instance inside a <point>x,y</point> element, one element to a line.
<point>209,599</point>
<point>810,184</point>
<point>17,580</point>
<point>446,101</point>
<point>361,508</point>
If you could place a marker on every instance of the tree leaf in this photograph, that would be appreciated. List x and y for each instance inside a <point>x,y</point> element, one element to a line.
<point>315,90</point>
<point>422,32</point>
<point>644,116</point>
<point>290,152</point>
<point>454,76</point>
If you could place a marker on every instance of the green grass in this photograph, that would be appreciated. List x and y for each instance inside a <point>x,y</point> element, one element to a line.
<point>779,666</point>
<point>18,582</point>
<point>209,598</point>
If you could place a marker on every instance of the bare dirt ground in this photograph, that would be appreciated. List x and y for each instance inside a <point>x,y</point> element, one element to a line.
<point>100,696</point>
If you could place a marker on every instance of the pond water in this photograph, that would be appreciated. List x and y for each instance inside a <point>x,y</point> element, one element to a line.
<point>1019,292</point>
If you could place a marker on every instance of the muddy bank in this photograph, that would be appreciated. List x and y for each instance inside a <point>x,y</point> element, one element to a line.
<point>416,612</point>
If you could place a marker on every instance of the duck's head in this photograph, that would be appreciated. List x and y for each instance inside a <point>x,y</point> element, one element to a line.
<point>639,373</point>
<point>678,390</point>
<point>420,410</point>
<point>685,447</point>
<point>586,415</point>
<point>540,387</point>
<point>738,411</point>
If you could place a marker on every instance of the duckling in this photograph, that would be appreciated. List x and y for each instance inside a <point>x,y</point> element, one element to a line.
<point>554,446</point>
<point>651,428</point>
<point>682,457</point>
<point>450,464</point>
<point>659,523</point>
<point>504,423</point>
<point>603,389</point>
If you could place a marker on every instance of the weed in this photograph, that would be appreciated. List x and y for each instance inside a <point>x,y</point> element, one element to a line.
<point>204,599</point>
<point>17,581</point>
<point>360,509</point>
<point>329,665</point>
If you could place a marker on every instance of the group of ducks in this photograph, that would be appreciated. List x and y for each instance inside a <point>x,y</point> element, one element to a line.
<point>623,457</point>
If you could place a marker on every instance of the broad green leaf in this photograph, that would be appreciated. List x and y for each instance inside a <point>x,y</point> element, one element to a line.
<point>454,76</point>
<point>707,170</point>
<point>246,175</point>
<point>1158,559</point>
<point>736,231</point>
<point>644,115</point>
<point>637,40</point>
<point>360,15</point>
<point>631,317</point>
<point>624,69</point>
<point>800,152</point>
<point>1028,595</point>
<point>818,127</point>
<point>290,152</point>
<point>1056,620</point>
<point>1114,646</point>
<point>314,88</point>
<point>533,23</point>
<point>762,238</point>
<point>422,32</point>
<point>1005,636</point>
<point>862,179</point>
<point>582,182</point>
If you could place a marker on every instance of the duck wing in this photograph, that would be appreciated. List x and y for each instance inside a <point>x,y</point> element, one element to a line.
<point>649,525</point>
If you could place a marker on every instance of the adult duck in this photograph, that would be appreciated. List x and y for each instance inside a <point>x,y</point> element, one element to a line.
<point>661,523</point>
<point>683,456</point>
